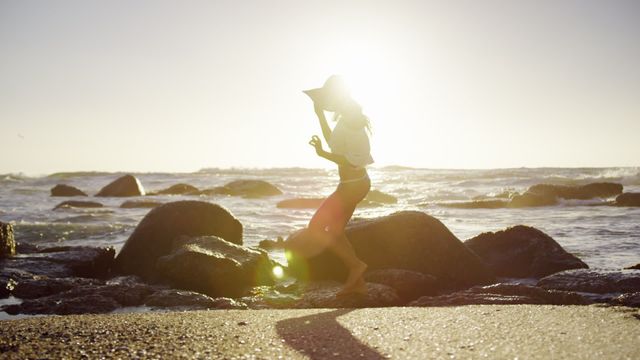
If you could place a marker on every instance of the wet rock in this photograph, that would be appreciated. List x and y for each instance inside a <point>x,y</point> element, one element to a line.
<point>66,190</point>
<point>78,204</point>
<point>65,261</point>
<point>179,189</point>
<point>503,294</point>
<point>245,188</point>
<point>380,197</point>
<point>154,235</point>
<point>522,252</point>
<point>532,200</point>
<point>583,192</point>
<point>9,278</point>
<point>478,204</point>
<point>127,185</point>
<point>85,299</point>
<point>300,203</point>
<point>408,284</point>
<point>323,295</point>
<point>214,266</point>
<point>132,204</point>
<point>628,199</point>
<point>628,299</point>
<point>40,286</point>
<point>7,240</point>
<point>409,240</point>
<point>594,281</point>
<point>269,244</point>
<point>634,267</point>
<point>171,298</point>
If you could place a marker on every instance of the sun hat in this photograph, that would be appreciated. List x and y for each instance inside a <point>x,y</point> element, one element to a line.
<point>334,85</point>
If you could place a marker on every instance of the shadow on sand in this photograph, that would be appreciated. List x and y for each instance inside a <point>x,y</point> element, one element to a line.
<point>320,336</point>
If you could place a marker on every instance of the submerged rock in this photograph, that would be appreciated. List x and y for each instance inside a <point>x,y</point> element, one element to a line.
<point>408,284</point>
<point>478,204</point>
<point>531,200</point>
<point>409,240</point>
<point>594,281</point>
<point>245,188</point>
<point>127,185</point>
<point>7,240</point>
<point>66,190</point>
<point>583,192</point>
<point>132,204</point>
<point>214,266</point>
<point>78,204</point>
<point>522,252</point>
<point>628,199</point>
<point>503,294</point>
<point>154,235</point>
<point>179,189</point>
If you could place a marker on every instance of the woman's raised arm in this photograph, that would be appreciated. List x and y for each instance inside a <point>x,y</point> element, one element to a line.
<point>326,130</point>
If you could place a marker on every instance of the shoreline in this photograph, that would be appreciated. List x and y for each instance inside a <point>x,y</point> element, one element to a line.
<point>494,331</point>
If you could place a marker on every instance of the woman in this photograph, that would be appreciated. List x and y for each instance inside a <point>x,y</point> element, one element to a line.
<point>350,150</point>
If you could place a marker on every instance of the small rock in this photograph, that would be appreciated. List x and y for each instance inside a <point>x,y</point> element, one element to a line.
<point>132,204</point>
<point>127,185</point>
<point>245,188</point>
<point>78,204</point>
<point>66,190</point>
<point>179,189</point>
<point>594,281</point>
<point>628,199</point>
<point>7,240</point>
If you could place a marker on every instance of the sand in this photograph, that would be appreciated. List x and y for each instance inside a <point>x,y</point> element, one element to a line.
<point>478,331</point>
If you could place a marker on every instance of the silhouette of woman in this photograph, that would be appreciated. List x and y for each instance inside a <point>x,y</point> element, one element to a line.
<point>350,150</point>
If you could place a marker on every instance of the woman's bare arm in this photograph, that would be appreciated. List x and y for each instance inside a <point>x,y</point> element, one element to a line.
<point>336,158</point>
<point>326,130</point>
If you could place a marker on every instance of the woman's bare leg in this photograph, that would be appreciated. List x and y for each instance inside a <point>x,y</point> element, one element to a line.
<point>357,267</point>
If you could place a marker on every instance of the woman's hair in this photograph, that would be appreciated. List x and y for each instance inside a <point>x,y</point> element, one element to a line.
<point>353,110</point>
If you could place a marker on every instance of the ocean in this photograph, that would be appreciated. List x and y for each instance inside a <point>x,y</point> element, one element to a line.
<point>605,237</point>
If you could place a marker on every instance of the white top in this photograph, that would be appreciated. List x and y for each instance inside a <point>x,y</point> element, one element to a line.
<point>349,138</point>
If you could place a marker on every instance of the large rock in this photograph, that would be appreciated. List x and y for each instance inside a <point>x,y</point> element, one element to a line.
<point>408,284</point>
<point>628,199</point>
<point>594,281</point>
<point>66,190</point>
<point>245,188</point>
<point>503,294</point>
<point>154,235</point>
<point>77,204</point>
<point>214,266</point>
<point>179,189</point>
<point>127,185</point>
<point>522,252</point>
<point>7,240</point>
<point>409,240</point>
<point>547,194</point>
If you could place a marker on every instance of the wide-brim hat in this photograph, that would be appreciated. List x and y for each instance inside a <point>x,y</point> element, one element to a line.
<point>335,84</point>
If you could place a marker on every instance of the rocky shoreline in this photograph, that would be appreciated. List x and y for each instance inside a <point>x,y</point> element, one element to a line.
<point>190,255</point>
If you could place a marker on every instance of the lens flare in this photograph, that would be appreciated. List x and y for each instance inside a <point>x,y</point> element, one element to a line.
<point>277,271</point>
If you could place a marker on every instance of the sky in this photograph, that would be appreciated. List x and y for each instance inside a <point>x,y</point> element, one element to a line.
<point>182,85</point>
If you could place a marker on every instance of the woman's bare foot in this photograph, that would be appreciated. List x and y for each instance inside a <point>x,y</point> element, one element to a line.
<point>360,287</point>
<point>355,277</point>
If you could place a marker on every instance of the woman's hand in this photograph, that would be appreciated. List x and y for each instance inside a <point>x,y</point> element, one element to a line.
<point>317,144</point>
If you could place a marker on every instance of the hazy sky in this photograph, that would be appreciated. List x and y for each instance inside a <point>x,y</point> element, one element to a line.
<point>182,85</point>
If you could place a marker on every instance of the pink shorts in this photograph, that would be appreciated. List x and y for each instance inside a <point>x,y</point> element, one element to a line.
<point>336,210</point>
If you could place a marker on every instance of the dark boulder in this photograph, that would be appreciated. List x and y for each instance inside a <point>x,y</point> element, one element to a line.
<point>7,240</point>
<point>634,267</point>
<point>172,298</point>
<point>323,295</point>
<point>531,200</point>
<point>628,199</point>
<point>179,189</point>
<point>65,261</point>
<point>133,204</point>
<point>409,240</point>
<point>127,185</point>
<point>408,284</point>
<point>503,294</point>
<point>478,204</point>
<point>380,197</point>
<point>154,235</point>
<point>583,192</point>
<point>66,190</point>
<point>594,281</point>
<point>77,204</point>
<point>245,188</point>
<point>40,286</point>
<point>214,266</point>
<point>522,252</point>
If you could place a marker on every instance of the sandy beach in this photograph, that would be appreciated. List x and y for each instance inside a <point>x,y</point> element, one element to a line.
<point>477,331</point>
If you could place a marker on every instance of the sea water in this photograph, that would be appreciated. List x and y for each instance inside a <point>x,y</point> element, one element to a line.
<point>602,236</point>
